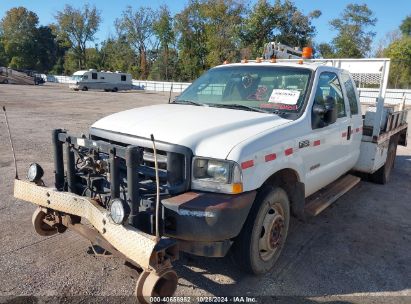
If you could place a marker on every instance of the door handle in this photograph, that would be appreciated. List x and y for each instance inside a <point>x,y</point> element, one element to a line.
<point>349,133</point>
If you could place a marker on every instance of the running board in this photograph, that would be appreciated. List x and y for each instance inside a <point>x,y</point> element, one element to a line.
<point>323,198</point>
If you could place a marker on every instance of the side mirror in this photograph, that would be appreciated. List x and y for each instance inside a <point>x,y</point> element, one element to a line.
<point>319,110</point>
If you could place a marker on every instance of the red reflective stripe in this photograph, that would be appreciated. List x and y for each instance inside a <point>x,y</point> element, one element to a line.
<point>317,143</point>
<point>270,157</point>
<point>247,164</point>
<point>344,134</point>
<point>289,151</point>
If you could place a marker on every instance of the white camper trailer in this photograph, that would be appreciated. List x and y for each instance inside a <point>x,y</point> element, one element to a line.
<point>107,81</point>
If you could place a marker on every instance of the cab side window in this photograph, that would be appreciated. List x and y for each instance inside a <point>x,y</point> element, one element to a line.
<point>329,85</point>
<point>351,96</point>
<point>328,89</point>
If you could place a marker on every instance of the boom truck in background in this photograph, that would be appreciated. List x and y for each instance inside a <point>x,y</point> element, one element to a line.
<point>222,168</point>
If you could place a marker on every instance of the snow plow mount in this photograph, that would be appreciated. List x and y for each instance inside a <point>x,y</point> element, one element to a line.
<point>151,259</point>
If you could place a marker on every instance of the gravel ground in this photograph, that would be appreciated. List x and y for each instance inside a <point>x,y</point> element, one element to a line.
<point>356,251</point>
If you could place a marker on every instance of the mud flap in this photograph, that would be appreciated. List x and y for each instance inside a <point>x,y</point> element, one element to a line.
<point>297,197</point>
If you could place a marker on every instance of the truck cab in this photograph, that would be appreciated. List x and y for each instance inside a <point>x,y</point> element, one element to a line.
<point>223,167</point>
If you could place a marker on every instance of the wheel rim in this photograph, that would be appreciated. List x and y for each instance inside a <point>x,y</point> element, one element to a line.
<point>272,232</point>
<point>40,226</point>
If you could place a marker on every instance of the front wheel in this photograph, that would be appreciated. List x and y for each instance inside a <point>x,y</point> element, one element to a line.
<point>263,235</point>
<point>39,224</point>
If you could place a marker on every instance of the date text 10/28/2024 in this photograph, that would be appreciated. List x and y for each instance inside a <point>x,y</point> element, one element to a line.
<point>205,299</point>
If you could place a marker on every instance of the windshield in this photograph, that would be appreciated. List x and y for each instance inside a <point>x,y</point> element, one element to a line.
<point>268,88</point>
<point>78,77</point>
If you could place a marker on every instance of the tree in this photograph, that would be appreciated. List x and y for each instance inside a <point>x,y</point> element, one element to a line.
<point>80,27</point>
<point>354,39</point>
<point>163,30</point>
<point>405,26</point>
<point>281,22</point>
<point>384,42</point>
<point>19,29</point>
<point>223,19</point>
<point>137,28</point>
<point>4,61</point>
<point>62,46</point>
<point>117,55</point>
<point>295,28</point>
<point>259,27</point>
<point>46,50</point>
<point>326,50</point>
<point>94,58</point>
<point>190,24</point>
<point>399,52</point>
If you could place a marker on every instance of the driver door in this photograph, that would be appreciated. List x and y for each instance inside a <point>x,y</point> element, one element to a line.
<point>324,162</point>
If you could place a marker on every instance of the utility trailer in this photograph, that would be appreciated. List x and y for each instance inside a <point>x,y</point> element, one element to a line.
<point>10,76</point>
<point>242,149</point>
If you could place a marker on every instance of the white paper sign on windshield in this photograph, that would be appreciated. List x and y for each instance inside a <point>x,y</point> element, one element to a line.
<point>289,97</point>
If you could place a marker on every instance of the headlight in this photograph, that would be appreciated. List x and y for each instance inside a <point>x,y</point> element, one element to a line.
<point>216,175</point>
<point>119,211</point>
<point>35,173</point>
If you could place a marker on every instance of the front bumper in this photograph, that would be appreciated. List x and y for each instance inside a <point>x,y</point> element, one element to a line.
<point>74,86</point>
<point>206,217</point>
<point>136,245</point>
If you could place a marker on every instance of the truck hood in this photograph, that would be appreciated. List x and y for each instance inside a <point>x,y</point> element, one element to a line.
<point>207,131</point>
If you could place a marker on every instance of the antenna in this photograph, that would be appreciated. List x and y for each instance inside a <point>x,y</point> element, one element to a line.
<point>11,143</point>
<point>157,190</point>
<point>171,90</point>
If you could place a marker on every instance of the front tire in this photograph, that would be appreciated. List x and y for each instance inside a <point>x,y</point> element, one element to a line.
<point>263,235</point>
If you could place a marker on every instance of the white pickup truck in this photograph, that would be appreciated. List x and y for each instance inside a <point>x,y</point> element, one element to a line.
<point>222,168</point>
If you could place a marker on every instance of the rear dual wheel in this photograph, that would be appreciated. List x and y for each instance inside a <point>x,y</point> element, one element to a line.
<point>263,235</point>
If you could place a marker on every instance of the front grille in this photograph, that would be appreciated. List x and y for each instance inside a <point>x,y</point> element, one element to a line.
<point>173,163</point>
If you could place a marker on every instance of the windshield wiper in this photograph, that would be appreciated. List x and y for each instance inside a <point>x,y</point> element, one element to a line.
<point>189,102</point>
<point>237,106</point>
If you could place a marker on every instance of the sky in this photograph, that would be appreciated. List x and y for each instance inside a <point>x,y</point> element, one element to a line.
<point>389,14</point>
